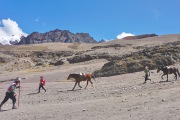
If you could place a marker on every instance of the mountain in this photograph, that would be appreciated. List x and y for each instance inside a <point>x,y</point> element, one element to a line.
<point>57,35</point>
<point>101,41</point>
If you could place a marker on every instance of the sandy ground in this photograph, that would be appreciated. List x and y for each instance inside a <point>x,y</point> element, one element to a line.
<point>112,98</point>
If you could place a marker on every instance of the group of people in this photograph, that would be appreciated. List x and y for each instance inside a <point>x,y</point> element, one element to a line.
<point>10,93</point>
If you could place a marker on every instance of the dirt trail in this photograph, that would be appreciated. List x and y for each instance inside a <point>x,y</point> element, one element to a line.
<point>113,98</point>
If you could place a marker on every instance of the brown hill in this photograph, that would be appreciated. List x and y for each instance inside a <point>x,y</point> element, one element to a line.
<point>160,50</point>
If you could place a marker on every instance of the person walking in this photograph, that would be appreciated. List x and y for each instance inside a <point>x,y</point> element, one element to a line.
<point>10,93</point>
<point>147,73</point>
<point>41,84</point>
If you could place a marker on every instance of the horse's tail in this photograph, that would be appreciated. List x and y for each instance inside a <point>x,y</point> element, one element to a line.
<point>93,77</point>
<point>178,72</point>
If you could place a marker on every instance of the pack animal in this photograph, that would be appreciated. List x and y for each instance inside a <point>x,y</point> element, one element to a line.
<point>79,78</point>
<point>169,70</point>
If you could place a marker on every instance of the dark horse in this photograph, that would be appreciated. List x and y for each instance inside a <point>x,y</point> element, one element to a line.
<point>78,78</point>
<point>168,70</point>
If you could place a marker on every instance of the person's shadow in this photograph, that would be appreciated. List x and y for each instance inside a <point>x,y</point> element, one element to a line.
<point>33,93</point>
<point>5,110</point>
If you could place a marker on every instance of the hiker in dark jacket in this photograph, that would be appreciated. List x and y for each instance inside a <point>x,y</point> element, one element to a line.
<point>10,93</point>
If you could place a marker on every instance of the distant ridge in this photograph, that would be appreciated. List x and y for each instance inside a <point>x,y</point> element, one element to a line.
<point>57,35</point>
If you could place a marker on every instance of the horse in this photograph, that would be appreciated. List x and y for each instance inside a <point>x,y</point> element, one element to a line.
<point>168,70</point>
<point>78,78</point>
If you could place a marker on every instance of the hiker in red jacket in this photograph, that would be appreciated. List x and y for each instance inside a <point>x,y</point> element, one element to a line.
<point>10,93</point>
<point>41,84</point>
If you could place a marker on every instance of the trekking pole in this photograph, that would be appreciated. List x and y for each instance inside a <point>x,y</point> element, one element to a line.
<point>19,95</point>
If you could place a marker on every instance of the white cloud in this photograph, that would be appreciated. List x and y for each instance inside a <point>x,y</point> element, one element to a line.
<point>10,31</point>
<point>37,20</point>
<point>123,34</point>
<point>156,13</point>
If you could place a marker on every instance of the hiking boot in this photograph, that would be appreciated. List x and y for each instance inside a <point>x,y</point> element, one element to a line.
<point>14,107</point>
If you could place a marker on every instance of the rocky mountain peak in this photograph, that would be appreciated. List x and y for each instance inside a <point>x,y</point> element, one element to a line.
<point>57,36</point>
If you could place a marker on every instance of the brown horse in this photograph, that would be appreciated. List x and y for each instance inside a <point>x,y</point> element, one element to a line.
<point>78,78</point>
<point>168,70</point>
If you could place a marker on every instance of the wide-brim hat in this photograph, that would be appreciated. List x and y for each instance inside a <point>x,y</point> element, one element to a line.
<point>18,79</point>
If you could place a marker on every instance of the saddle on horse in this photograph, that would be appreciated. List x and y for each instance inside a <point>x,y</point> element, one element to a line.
<point>82,76</point>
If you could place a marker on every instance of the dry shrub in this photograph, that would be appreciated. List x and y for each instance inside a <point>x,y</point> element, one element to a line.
<point>74,46</point>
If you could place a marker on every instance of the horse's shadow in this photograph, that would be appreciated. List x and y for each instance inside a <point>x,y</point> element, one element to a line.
<point>158,82</point>
<point>65,91</point>
<point>33,93</point>
<point>162,82</point>
<point>165,81</point>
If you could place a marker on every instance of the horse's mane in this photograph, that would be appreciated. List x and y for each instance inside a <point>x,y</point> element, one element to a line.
<point>74,74</point>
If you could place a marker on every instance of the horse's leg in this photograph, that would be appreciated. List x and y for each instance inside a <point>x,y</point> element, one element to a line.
<point>74,85</point>
<point>167,78</point>
<point>87,84</point>
<point>162,76</point>
<point>175,76</point>
<point>79,85</point>
<point>91,83</point>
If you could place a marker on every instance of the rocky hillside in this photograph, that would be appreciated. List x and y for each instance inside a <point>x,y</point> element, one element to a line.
<point>120,57</point>
<point>167,54</point>
<point>57,35</point>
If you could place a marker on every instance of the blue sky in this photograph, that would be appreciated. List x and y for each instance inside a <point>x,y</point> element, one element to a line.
<point>102,19</point>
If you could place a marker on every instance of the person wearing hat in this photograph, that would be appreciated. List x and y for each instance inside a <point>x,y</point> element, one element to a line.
<point>147,73</point>
<point>10,93</point>
<point>41,84</point>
